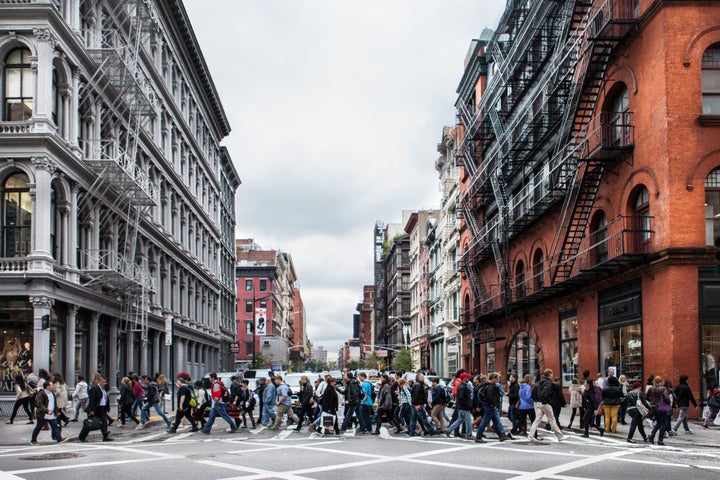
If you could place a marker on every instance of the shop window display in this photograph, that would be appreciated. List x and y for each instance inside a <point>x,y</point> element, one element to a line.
<point>621,349</point>
<point>522,359</point>
<point>568,347</point>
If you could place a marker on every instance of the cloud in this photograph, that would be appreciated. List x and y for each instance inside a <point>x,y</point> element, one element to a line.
<point>336,108</point>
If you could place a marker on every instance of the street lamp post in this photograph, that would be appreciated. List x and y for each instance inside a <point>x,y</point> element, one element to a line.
<point>402,328</point>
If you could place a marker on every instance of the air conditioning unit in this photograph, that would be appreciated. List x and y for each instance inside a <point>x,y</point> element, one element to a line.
<point>266,342</point>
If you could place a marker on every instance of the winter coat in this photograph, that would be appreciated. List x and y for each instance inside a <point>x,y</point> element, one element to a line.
<point>684,396</point>
<point>384,398</point>
<point>612,395</point>
<point>526,400</point>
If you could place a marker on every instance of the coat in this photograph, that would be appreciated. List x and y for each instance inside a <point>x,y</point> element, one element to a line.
<point>384,397</point>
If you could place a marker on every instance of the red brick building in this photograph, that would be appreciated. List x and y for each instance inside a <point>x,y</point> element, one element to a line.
<point>591,190</point>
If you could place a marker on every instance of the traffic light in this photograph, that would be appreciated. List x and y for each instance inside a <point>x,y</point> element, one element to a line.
<point>717,257</point>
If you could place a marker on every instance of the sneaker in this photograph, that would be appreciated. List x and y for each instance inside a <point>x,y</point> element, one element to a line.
<point>447,434</point>
<point>63,440</point>
<point>273,428</point>
<point>233,430</point>
<point>9,422</point>
<point>630,440</point>
<point>140,426</point>
<point>689,432</point>
<point>34,443</point>
<point>206,432</point>
<point>562,438</point>
<point>30,422</point>
<point>108,439</point>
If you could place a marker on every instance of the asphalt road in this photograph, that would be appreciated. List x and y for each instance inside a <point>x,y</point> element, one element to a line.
<point>263,454</point>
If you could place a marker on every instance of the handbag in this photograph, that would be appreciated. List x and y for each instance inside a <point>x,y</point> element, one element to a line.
<point>642,409</point>
<point>328,420</point>
<point>92,423</point>
<point>664,406</point>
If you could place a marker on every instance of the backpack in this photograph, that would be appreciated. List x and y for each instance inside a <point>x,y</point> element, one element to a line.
<point>482,393</point>
<point>225,398</point>
<point>193,400</point>
<point>251,401</point>
<point>445,397</point>
<point>544,391</point>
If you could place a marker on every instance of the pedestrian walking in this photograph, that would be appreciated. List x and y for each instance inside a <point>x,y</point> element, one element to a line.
<point>62,397</point>
<point>590,407</point>
<point>713,406</point>
<point>365,411</point>
<point>248,406</point>
<point>637,407</point>
<point>268,398</point>
<point>219,406</point>
<point>438,402</point>
<point>612,397</point>
<point>329,404</point>
<point>576,391</point>
<point>405,404</point>
<point>22,398</point>
<point>98,408</point>
<point>557,401</point>
<point>385,404</point>
<point>204,402</point>
<point>306,398</point>
<point>526,407</point>
<point>80,396</point>
<point>46,409</point>
<point>185,399</point>
<point>353,397</point>
<point>625,385</point>
<point>488,399</point>
<point>283,403</point>
<point>125,401</point>
<point>463,406</point>
<point>513,391</point>
<point>661,406</point>
<point>543,408</point>
<point>152,400</point>
<point>418,413</point>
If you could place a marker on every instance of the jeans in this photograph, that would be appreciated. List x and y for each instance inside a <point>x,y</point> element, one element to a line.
<point>268,414</point>
<point>348,414</point>
<point>682,419</point>
<point>56,434</point>
<point>660,423</point>
<point>82,404</point>
<point>145,412</point>
<point>364,415</point>
<point>137,403</point>
<point>419,413</point>
<point>463,418</point>
<point>219,409</point>
<point>490,414</point>
<point>636,422</point>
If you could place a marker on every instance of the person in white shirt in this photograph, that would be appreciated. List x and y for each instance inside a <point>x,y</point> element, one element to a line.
<point>47,410</point>
<point>80,396</point>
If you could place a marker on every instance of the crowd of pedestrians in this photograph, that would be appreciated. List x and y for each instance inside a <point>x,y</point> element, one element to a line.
<point>411,408</point>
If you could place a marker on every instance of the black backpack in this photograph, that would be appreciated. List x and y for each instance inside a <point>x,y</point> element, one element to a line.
<point>544,391</point>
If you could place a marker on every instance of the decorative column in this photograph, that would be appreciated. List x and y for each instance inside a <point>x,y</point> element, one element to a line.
<point>74,125</point>
<point>70,346</point>
<point>156,350</point>
<point>113,356</point>
<point>144,354</point>
<point>41,259</point>
<point>93,343</point>
<point>41,336</point>
<point>42,110</point>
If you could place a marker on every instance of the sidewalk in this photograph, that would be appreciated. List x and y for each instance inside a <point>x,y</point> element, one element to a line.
<point>20,431</point>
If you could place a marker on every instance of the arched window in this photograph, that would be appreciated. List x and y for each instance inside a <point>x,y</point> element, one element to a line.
<point>522,358</point>
<point>18,86</point>
<point>711,80</point>
<point>641,212</point>
<point>17,216</point>
<point>598,238</point>
<point>617,119</point>
<point>538,269</point>
<point>519,279</point>
<point>712,207</point>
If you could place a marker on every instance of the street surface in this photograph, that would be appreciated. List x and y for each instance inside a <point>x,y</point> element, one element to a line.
<point>264,454</point>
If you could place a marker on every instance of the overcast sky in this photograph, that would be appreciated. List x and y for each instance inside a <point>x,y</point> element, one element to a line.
<point>336,109</point>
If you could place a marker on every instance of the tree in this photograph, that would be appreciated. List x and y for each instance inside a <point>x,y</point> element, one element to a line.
<point>259,360</point>
<point>402,361</point>
<point>371,361</point>
<point>353,365</point>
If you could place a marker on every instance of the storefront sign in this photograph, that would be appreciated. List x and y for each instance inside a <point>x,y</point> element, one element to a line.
<point>168,330</point>
<point>453,348</point>
<point>234,347</point>
<point>381,353</point>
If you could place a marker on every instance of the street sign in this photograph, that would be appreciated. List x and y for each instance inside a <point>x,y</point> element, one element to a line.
<point>234,347</point>
<point>381,353</point>
<point>453,348</point>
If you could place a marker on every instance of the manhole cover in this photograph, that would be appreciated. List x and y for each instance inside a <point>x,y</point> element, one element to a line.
<point>53,456</point>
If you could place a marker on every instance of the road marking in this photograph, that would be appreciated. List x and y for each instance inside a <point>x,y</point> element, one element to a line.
<point>384,433</point>
<point>284,434</point>
<point>85,465</point>
<point>558,469</point>
<point>178,437</point>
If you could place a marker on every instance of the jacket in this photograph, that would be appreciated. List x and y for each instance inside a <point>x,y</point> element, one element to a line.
<point>418,395</point>
<point>492,395</point>
<point>684,396</point>
<point>632,397</point>
<point>513,393</point>
<point>526,400</point>
<point>576,392</point>
<point>126,395</point>
<point>558,397</point>
<point>306,394</point>
<point>268,394</point>
<point>95,395</point>
<point>654,394</point>
<point>438,395</point>
<point>612,395</point>
<point>329,401</point>
<point>588,401</point>
<point>384,397</point>
<point>41,403</point>
<point>463,398</point>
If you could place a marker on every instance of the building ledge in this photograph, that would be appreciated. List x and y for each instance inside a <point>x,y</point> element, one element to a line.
<point>709,120</point>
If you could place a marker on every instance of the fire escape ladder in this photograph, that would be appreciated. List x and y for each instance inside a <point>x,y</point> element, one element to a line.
<point>472,221</point>
<point>469,158</point>
<point>500,245</point>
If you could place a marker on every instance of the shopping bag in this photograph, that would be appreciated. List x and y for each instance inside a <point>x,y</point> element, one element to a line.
<point>328,420</point>
<point>717,419</point>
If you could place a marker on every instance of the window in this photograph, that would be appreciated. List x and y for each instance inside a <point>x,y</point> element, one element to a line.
<point>263,285</point>
<point>522,358</point>
<point>18,89</point>
<point>249,328</point>
<point>711,80</point>
<point>248,285</point>
<point>568,347</point>
<point>598,238</point>
<point>17,216</point>
<point>618,119</point>
<point>642,220</point>
<point>519,280</point>
<point>538,269</point>
<point>248,305</point>
<point>490,357</point>
<point>712,207</point>
<point>263,303</point>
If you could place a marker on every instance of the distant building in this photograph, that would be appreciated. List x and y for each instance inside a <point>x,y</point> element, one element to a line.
<point>319,353</point>
<point>364,321</point>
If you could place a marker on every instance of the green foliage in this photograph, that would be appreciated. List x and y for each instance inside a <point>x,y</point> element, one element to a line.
<point>371,362</point>
<point>353,365</point>
<point>315,365</point>
<point>259,360</point>
<point>402,361</point>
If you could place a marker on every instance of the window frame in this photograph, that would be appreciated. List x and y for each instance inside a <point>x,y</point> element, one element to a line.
<point>710,63</point>
<point>22,98</point>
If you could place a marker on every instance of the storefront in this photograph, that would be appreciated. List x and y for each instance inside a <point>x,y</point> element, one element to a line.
<point>16,335</point>
<point>709,310</point>
<point>620,331</point>
<point>523,359</point>
<point>568,347</point>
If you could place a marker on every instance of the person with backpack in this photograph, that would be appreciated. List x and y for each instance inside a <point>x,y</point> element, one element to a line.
<point>248,406</point>
<point>463,405</point>
<point>385,404</point>
<point>417,412</point>
<point>353,396</point>
<point>204,402</point>
<point>237,398</point>
<point>283,403</point>
<point>489,399</point>
<point>307,401</point>
<point>440,398</point>
<point>152,399</point>
<point>366,405</point>
<point>543,407</point>
<point>220,396</point>
<point>186,401</point>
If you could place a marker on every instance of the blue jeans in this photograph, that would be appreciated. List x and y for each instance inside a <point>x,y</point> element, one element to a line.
<point>137,403</point>
<point>660,424</point>
<point>463,417</point>
<point>490,414</point>
<point>349,411</point>
<point>219,409</point>
<point>144,412</point>
<point>268,413</point>
<point>635,423</point>
<point>419,414</point>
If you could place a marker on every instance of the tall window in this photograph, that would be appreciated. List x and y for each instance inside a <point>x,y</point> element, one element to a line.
<point>18,89</point>
<point>248,306</point>
<point>712,207</point>
<point>618,121</point>
<point>248,285</point>
<point>642,215</point>
<point>711,80</point>
<point>263,285</point>
<point>538,269</point>
<point>17,216</point>
<point>598,238</point>
<point>568,347</point>
<point>522,358</point>
<point>519,280</point>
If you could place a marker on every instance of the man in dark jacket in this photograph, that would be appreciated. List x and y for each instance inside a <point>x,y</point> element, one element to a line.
<point>46,410</point>
<point>417,412</point>
<point>463,405</point>
<point>489,398</point>
<point>683,397</point>
<point>558,400</point>
<point>353,395</point>
<point>98,407</point>
<point>385,405</point>
<point>307,401</point>
<point>184,409</point>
